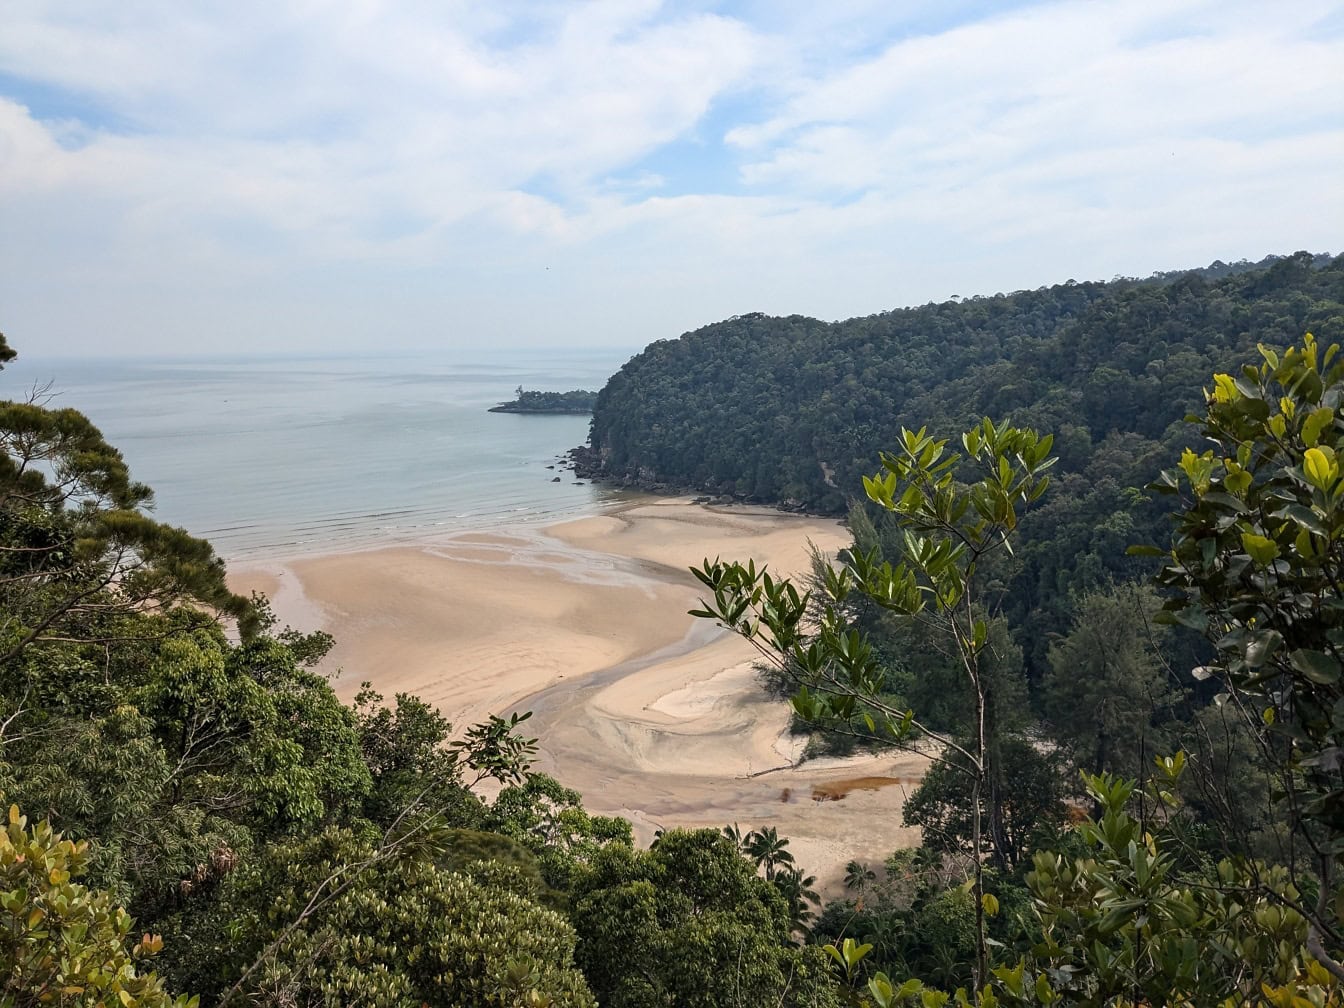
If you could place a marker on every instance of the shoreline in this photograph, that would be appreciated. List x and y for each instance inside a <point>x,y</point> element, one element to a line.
<point>649,713</point>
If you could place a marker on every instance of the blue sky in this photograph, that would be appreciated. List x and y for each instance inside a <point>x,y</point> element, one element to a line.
<point>324,176</point>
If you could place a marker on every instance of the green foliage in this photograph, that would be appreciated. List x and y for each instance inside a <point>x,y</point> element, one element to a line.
<point>494,750</point>
<point>466,850</point>
<point>1033,805</point>
<point>307,648</point>
<point>61,943</point>
<point>772,856</point>
<point>246,716</point>
<point>858,875</point>
<point>187,747</point>
<point>690,923</point>
<point>549,819</point>
<point>1258,554</point>
<point>1125,922</point>
<point>769,850</point>
<point>918,919</point>
<point>532,401</point>
<point>1231,794</point>
<point>1256,563</point>
<point>79,552</point>
<point>406,749</point>
<point>1107,698</point>
<point>1138,920</point>
<point>394,930</point>
<point>948,529</point>
<point>794,409</point>
<point>1123,926</point>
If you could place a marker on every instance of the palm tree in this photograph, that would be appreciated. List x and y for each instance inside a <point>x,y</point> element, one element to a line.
<point>796,888</point>
<point>768,849</point>
<point>857,877</point>
<point>734,833</point>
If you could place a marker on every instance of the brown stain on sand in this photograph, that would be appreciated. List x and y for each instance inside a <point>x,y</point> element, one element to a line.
<point>837,790</point>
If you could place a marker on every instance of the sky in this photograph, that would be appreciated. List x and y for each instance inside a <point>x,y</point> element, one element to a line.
<point>362,176</point>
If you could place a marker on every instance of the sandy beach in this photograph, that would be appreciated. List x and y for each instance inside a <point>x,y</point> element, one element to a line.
<point>649,713</point>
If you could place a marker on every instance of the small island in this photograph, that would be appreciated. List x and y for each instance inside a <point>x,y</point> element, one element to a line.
<point>529,401</point>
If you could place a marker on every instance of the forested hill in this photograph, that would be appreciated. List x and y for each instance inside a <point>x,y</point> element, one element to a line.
<point>795,409</point>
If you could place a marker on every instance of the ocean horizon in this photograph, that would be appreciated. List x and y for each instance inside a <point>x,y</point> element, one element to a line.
<point>273,456</point>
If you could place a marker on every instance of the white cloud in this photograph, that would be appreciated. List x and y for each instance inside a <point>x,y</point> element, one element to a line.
<point>303,172</point>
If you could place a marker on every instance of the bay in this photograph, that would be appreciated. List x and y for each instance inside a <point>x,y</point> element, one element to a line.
<point>278,456</point>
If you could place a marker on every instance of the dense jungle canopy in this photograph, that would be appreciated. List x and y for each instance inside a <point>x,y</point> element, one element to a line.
<point>794,410</point>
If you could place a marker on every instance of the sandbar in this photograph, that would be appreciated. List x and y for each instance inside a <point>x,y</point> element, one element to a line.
<point>651,714</point>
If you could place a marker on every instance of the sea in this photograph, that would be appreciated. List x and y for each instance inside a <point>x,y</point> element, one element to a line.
<point>270,457</point>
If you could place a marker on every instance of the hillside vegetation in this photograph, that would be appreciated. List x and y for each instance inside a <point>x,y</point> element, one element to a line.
<point>794,411</point>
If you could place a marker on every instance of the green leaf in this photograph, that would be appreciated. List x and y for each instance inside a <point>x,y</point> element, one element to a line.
<point>1044,993</point>
<point>1317,666</point>
<point>1262,644</point>
<point>1192,616</point>
<point>1319,470</point>
<point>1315,423</point>
<point>1261,549</point>
<point>1303,516</point>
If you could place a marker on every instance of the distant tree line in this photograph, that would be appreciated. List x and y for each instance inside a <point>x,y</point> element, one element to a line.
<point>531,401</point>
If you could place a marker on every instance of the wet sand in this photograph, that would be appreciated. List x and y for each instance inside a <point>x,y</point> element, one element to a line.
<point>649,713</point>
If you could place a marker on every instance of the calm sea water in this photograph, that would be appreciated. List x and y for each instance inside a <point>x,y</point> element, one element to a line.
<point>282,456</point>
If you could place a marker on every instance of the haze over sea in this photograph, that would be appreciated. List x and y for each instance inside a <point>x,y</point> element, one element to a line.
<point>269,457</point>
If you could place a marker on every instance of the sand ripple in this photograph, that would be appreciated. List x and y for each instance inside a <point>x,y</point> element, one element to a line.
<point>649,713</point>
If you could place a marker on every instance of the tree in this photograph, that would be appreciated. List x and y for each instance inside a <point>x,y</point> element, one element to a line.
<point>769,850</point>
<point>1107,688</point>
<point>795,886</point>
<point>78,551</point>
<point>396,929</point>
<point>949,531</point>
<point>178,753</point>
<point>61,943</point>
<point>406,748</point>
<point>857,877</point>
<point>1033,804</point>
<point>1257,564</point>
<point>549,819</point>
<point>1125,926</point>
<point>690,923</point>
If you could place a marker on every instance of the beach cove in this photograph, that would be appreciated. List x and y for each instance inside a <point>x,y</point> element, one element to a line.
<point>649,713</point>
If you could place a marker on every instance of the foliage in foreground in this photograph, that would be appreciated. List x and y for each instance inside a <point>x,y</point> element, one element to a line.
<point>1257,563</point>
<point>337,921</point>
<point>1125,926</point>
<point>61,943</point>
<point>689,923</point>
